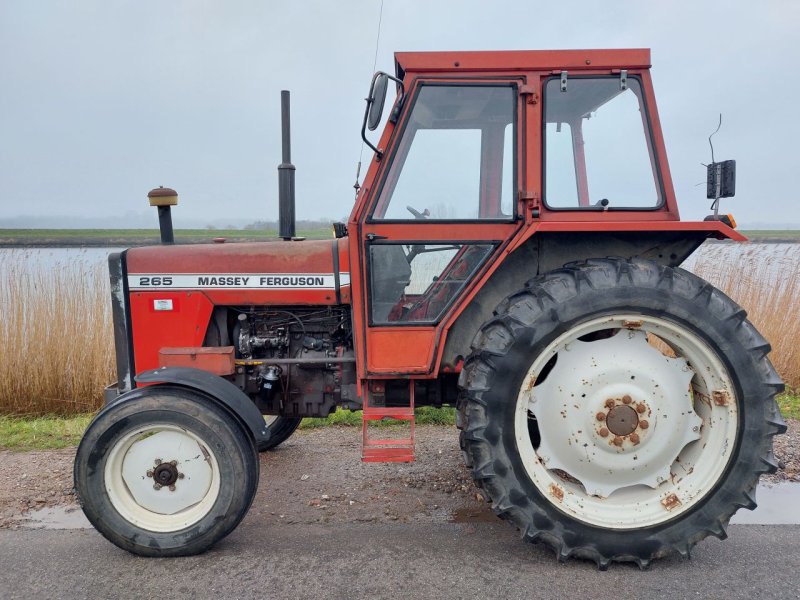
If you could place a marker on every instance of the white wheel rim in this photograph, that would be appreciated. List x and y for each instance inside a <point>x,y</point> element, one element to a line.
<point>675,420</point>
<point>167,453</point>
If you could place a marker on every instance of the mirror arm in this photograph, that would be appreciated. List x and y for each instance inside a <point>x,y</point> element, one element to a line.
<point>395,114</point>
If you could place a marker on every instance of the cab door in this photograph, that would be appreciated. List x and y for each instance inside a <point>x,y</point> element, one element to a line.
<point>444,204</point>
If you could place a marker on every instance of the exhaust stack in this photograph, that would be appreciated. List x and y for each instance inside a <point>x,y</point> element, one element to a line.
<point>286,223</point>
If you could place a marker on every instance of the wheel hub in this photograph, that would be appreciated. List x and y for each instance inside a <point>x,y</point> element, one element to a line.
<point>165,474</point>
<point>622,420</point>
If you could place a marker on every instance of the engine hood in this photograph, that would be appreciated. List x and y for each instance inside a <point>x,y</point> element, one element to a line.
<point>257,272</point>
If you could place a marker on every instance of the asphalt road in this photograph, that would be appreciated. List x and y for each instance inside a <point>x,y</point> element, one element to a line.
<point>382,560</point>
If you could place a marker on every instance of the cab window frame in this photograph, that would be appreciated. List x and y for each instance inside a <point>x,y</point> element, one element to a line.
<point>649,139</point>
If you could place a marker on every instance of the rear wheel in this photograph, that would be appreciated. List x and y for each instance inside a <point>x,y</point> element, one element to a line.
<point>280,430</point>
<point>166,473</point>
<point>619,410</point>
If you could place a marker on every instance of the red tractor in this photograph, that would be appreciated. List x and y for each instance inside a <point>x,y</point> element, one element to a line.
<point>514,250</point>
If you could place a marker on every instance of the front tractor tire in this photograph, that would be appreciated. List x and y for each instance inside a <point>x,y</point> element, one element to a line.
<point>165,472</point>
<point>280,430</point>
<point>619,410</point>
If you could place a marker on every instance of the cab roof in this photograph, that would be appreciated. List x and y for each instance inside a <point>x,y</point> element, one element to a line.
<point>520,60</point>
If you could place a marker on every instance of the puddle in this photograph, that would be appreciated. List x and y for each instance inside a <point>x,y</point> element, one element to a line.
<point>778,504</point>
<point>473,515</point>
<point>55,517</point>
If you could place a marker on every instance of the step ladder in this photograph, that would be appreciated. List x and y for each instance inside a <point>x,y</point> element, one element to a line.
<point>388,449</point>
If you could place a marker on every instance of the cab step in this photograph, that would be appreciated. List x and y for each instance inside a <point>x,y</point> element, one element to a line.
<point>388,449</point>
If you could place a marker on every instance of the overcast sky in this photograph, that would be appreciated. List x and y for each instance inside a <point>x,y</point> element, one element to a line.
<point>101,101</point>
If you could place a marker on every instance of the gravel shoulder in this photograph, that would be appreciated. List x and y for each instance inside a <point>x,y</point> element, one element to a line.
<point>317,477</point>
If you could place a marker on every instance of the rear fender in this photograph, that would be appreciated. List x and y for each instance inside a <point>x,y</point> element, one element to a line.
<point>213,387</point>
<point>552,250</point>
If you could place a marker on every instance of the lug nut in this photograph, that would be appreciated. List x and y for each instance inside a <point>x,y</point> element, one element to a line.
<point>601,416</point>
<point>174,463</point>
<point>150,473</point>
<point>172,488</point>
<point>158,461</point>
<point>634,437</point>
<point>181,475</point>
<point>617,441</point>
<point>644,424</point>
<point>610,403</point>
<point>640,408</point>
<point>627,399</point>
<point>603,432</point>
<point>157,486</point>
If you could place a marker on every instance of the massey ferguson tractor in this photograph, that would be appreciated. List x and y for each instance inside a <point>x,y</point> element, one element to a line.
<point>514,250</point>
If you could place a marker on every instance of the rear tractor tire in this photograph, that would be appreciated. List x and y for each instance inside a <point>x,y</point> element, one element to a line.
<point>166,472</point>
<point>619,410</point>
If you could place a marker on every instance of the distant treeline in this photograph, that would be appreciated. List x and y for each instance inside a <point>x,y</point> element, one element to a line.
<point>301,224</point>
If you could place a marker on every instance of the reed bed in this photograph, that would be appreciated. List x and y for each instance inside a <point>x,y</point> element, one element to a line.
<point>765,281</point>
<point>56,345</point>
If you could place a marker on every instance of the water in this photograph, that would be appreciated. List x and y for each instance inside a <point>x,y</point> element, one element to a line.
<point>773,258</point>
<point>46,258</point>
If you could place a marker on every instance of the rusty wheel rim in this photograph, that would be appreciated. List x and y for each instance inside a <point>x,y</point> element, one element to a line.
<point>628,435</point>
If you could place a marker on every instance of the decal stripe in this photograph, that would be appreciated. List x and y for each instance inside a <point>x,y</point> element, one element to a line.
<point>237,281</point>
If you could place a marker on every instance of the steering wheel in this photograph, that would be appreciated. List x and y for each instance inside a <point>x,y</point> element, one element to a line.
<point>419,215</point>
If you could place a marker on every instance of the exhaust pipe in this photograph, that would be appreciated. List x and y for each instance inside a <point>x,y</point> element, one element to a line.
<point>286,223</point>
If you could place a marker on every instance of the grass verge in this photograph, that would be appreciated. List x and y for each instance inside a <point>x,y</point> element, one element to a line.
<point>789,404</point>
<point>42,433</point>
<point>425,415</point>
<point>53,432</point>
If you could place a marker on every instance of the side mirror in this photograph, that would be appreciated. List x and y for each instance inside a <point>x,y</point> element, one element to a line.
<point>376,99</point>
<point>721,179</point>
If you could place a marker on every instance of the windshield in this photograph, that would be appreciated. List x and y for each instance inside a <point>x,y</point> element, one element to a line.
<point>455,159</point>
<point>598,152</point>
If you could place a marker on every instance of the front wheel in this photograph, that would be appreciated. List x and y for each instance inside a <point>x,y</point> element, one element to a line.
<point>166,472</point>
<point>280,430</point>
<point>619,410</point>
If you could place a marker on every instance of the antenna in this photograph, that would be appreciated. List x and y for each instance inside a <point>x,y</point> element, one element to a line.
<point>712,135</point>
<point>357,185</point>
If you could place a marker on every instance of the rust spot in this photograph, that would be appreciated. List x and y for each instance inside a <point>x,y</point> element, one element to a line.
<point>556,492</point>
<point>601,416</point>
<point>671,502</point>
<point>703,397</point>
<point>721,397</point>
<point>610,403</point>
<point>617,441</point>
<point>644,424</point>
<point>640,408</point>
<point>531,383</point>
<point>603,432</point>
<point>632,324</point>
<point>627,399</point>
<point>634,437</point>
